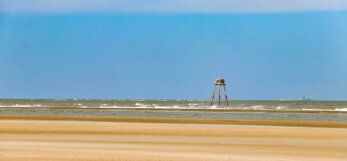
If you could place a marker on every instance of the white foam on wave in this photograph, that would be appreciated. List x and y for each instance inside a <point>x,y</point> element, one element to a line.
<point>214,107</point>
<point>80,105</point>
<point>340,109</point>
<point>257,107</point>
<point>19,105</point>
<point>138,104</point>
<point>164,107</point>
<point>281,108</point>
<point>175,106</point>
<point>106,106</point>
<point>141,105</point>
<point>193,104</point>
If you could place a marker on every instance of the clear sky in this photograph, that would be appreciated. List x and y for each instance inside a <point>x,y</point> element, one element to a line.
<point>168,49</point>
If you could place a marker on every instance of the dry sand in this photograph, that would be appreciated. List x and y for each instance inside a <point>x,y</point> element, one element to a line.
<point>46,140</point>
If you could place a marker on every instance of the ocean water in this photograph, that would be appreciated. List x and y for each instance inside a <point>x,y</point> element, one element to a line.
<point>113,108</point>
<point>179,104</point>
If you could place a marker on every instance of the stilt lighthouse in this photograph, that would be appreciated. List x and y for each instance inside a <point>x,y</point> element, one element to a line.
<point>219,86</point>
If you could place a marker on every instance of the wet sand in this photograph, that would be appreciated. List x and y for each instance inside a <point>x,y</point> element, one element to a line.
<point>58,138</point>
<point>180,121</point>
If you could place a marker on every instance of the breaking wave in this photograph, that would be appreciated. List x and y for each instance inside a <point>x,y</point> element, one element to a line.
<point>179,104</point>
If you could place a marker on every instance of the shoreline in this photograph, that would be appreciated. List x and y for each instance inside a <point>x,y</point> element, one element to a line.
<point>186,109</point>
<point>179,121</point>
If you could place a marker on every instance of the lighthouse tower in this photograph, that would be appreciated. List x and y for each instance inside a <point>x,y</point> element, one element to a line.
<point>219,87</point>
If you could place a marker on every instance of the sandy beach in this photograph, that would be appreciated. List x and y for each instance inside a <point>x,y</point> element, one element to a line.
<point>62,139</point>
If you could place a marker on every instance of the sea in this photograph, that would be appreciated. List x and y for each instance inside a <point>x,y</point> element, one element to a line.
<point>331,111</point>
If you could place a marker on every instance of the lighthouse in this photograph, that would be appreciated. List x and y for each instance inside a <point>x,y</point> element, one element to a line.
<point>219,90</point>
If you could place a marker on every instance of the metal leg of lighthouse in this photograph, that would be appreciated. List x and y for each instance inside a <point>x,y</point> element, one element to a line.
<point>226,96</point>
<point>219,95</point>
<point>213,94</point>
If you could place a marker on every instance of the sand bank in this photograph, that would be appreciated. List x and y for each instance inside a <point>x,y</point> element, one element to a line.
<point>179,121</point>
<point>47,140</point>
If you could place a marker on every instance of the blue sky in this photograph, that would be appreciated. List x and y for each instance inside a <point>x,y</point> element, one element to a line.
<point>173,49</point>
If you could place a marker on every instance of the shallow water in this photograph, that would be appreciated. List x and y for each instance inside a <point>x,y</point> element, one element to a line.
<point>331,117</point>
<point>180,104</point>
<point>83,105</point>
